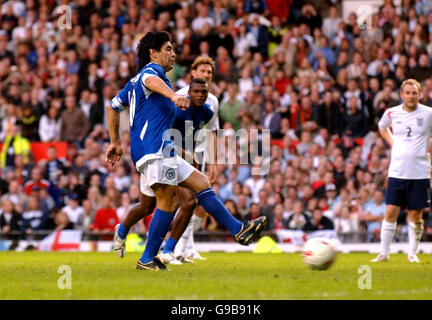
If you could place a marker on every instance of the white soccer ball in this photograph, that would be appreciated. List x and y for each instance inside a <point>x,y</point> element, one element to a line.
<point>319,253</point>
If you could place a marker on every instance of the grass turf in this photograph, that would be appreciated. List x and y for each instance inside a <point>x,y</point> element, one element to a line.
<point>233,276</point>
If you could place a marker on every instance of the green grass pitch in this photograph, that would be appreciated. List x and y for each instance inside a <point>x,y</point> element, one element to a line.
<point>233,276</point>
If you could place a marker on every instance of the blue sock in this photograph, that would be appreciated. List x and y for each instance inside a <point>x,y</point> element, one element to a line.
<point>213,205</point>
<point>158,228</point>
<point>122,231</point>
<point>169,245</point>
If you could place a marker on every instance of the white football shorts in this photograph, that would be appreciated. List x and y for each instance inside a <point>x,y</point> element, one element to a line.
<point>171,171</point>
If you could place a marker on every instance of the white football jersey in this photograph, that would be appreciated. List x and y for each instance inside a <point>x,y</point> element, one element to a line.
<point>411,133</point>
<point>213,124</point>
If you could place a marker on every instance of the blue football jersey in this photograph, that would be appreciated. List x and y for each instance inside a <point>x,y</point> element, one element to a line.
<point>189,121</point>
<point>150,115</point>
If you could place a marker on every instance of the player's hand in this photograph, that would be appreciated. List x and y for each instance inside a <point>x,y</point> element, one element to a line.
<point>181,101</point>
<point>212,173</point>
<point>113,153</point>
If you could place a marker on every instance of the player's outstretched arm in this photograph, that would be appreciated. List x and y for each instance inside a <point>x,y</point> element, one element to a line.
<point>157,85</point>
<point>114,150</point>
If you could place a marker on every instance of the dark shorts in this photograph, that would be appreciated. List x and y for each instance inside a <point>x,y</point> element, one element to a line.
<point>409,194</point>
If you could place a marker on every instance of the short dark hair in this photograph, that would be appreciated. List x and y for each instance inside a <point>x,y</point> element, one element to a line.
<point>197,81</point>
<point>152,40</point>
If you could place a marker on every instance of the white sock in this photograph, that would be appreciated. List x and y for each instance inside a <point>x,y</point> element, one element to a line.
<point>415,231</point>
<point>190,246</point>
<point>388,230</point>
<point>182,243</point>
<point>197,221</point>
<point>196,224</point>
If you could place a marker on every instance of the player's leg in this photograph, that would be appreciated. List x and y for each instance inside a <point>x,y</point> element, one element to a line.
<point>180,227</point>
<point>415,232</point>
<point>136,213</point>
<point>196,181</point>
<point>140,210</point>
<point>395,199</point>
<point>388,230</point>
<point>196,221</point>
<point>166,205</point>
<point>418,198</point>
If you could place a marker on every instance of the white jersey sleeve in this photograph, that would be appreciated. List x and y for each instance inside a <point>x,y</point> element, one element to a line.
<point>213,124</point>
<point>385,121</point>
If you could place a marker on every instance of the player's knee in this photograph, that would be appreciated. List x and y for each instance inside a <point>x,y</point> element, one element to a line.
<point>189,204</point>
<point>204,183</point>
<point>147,204</point>
<point>169,205</point>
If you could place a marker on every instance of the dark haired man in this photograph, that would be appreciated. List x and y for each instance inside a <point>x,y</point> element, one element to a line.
<point>152,112</point>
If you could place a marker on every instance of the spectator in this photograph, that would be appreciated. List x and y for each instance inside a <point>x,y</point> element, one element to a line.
<point>345,223</point>
<point>73,210</point>
<point>310,17</point>
<point>36,181</point>
<point>54,167</point>
<point>331,23</point>
<point>49,125</point>
<point>33,218</point>
<point>232,208</point>
<point>320,222</point>
<point>244,41</point>
<point>10,219</point>
<point>229,109</point>
<point>29,124</point>
<point>75,124</point>
<point>354,119</point>
<point>260,34</point>
<point>85,219</point>
<point>373,215</point>
<point>254,212</point>
<point>62,221</point>
<point>105,219</point>
<point>323,50</point>
<point>299,220</point>
<point>271,120</point>
<point>14,145</point>
<point>15,195</point>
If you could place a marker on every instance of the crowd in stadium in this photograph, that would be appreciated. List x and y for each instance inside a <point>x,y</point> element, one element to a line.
<point>318,82</point>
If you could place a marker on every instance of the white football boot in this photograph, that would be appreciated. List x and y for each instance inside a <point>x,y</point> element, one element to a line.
<point>381,258</point>
<point>119,243</point>
<point>168,258</point>
<point>413,259</point>
<point>194,255</point>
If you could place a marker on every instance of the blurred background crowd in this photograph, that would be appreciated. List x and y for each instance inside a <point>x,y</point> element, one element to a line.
<point>317,81</point>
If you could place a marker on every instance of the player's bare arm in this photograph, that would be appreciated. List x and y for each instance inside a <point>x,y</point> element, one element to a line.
<point>114,150</point>
<point>387,135</point>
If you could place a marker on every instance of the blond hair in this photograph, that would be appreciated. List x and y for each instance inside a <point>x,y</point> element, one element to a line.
<point>203,60</point>
<point>412,82</point>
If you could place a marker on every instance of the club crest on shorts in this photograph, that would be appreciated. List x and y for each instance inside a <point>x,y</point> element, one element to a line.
<point>420,122</point>
<point>170,174</point>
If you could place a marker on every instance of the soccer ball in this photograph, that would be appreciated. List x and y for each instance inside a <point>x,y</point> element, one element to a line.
<point>318,253</point>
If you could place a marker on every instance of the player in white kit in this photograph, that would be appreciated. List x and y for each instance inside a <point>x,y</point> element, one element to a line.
<point>409,171</point>
<point>202,67</point>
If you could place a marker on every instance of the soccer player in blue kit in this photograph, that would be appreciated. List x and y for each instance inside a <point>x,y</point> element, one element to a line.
<point>152,105</point>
